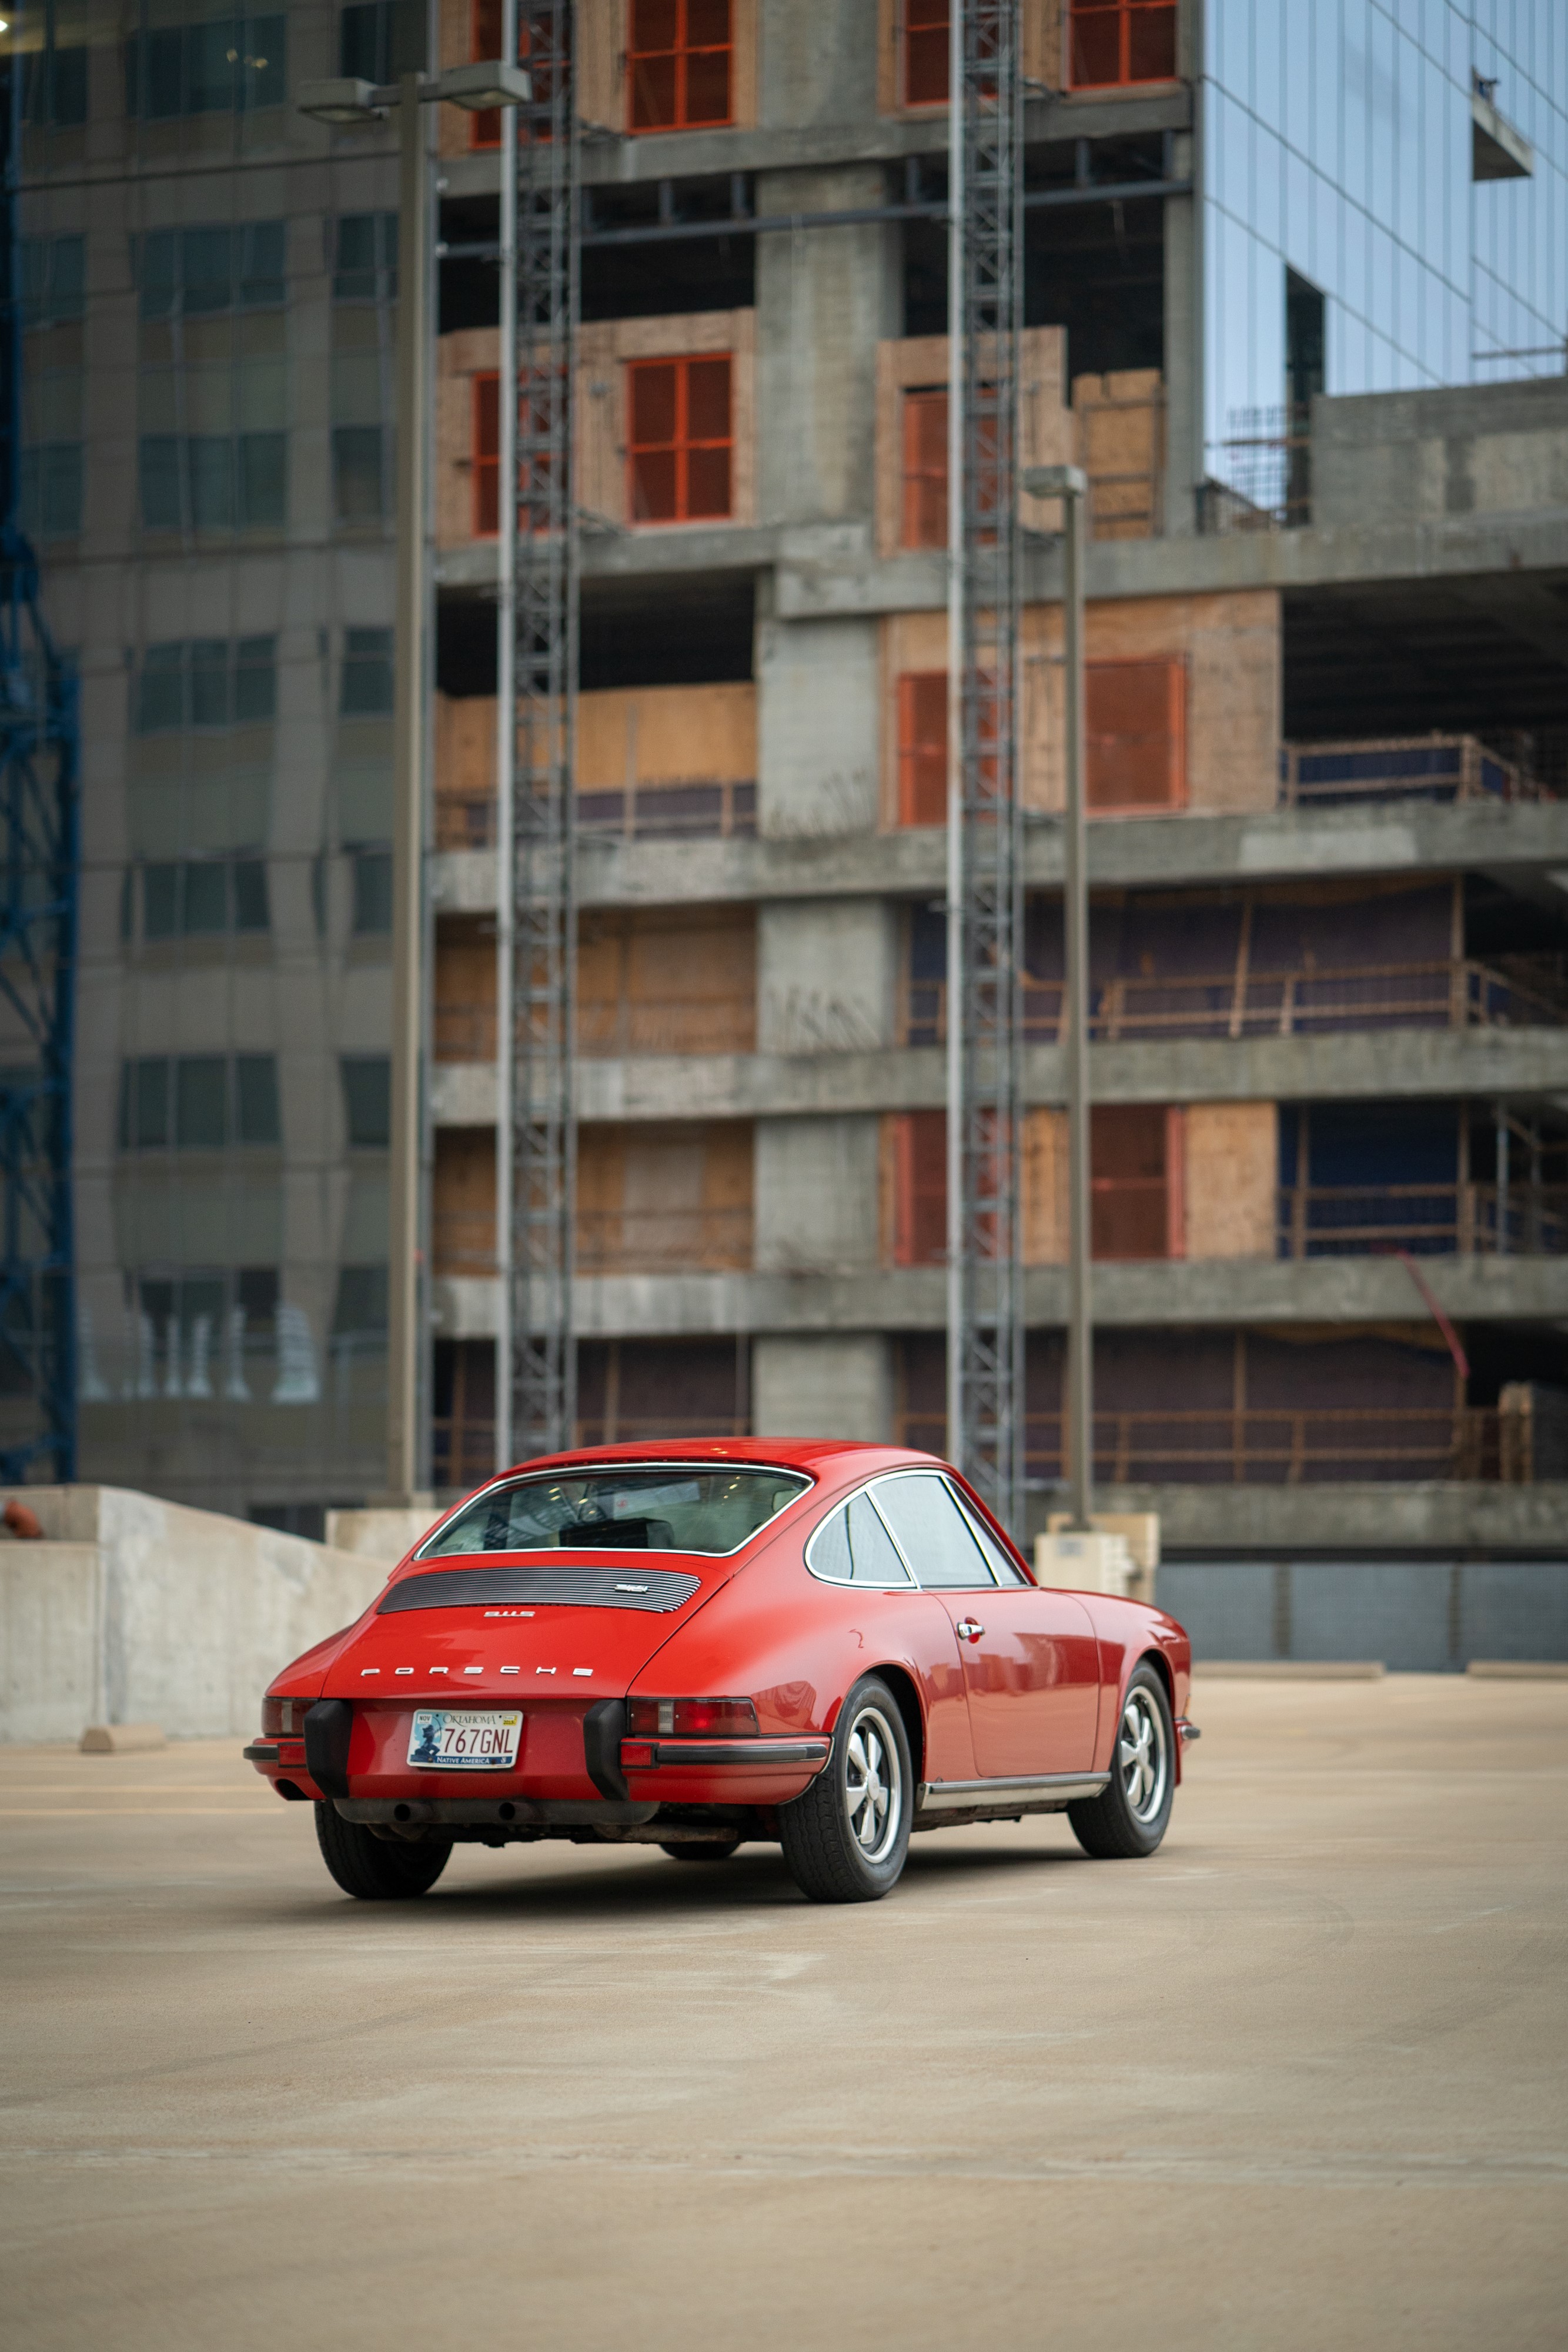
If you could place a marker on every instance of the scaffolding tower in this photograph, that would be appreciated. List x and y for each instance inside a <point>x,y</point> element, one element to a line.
<point>537,691</point>
<point>985,846</point>
<point>38,806</point>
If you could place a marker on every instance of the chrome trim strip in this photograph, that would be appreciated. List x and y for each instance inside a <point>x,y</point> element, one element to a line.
<point>959,1796</point>
<point>741,1752</point>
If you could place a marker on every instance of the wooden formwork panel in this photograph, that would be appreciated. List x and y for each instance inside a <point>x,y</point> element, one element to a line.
<point>664,1197</point>
<point>462,1201</point>
<point>668,981</point>
<point>1232,1180</point>
<point>1120,432</point>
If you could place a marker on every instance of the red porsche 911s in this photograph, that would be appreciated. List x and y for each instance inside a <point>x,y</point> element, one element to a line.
<point>694,1645</point>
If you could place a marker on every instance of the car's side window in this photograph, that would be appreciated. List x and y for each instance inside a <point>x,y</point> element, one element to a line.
<point>1005,1571</point>
<point>933,1533</point>
<point>855,1548</point>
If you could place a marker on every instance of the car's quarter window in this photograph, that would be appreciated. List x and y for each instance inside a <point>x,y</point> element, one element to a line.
<point>667,1506</point>
<point>855,1548</point>
<point>933,1533</point>
<point>1005,1571</point>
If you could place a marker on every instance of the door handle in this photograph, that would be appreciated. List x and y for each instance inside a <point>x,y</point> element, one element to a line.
<point>970,1629</point>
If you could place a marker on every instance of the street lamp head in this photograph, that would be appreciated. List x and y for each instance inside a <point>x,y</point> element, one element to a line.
<point>1055,482</point>
<point>482,87</point>
<point>346,101</point>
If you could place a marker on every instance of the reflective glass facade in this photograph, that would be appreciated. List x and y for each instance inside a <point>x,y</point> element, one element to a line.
<point>1348,245</point>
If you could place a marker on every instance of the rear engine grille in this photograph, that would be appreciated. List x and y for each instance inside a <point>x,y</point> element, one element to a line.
<point>659,1590</point>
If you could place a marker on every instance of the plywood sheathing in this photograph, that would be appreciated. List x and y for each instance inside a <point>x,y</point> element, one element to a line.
<point>665,1195</point>
<point>1120,432</point>
<point>646,737</point>
<point>1042,51</point>
<point>465,990</point>
<point>668,981</point>
<point>462,1201</point>
<point>1229,643</point>
<point>920,363</point>
<point>600,421</point>
<point>1232,1178</point>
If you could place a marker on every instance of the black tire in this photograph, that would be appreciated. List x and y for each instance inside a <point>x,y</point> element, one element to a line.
<point>1128,1819</point>
<point>828,1858</point>
<point>378,1870</point>
<point>700,1849</point>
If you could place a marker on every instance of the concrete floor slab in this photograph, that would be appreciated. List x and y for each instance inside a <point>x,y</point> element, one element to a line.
<point>1299,2081</point>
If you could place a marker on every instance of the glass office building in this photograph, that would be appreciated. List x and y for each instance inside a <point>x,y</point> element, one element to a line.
<point>1385,205</point>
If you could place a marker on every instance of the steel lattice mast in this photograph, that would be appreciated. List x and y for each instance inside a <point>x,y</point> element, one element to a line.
<point>985,858</point>
<point>38,888</point>
<point>536,1352</point>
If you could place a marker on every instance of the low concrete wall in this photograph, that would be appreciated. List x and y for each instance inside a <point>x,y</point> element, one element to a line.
<point>137,1610</point>
<point>384,1535</point>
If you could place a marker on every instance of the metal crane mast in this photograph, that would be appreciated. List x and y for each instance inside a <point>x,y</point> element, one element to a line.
<point>536,1125</point>
<point>38,884</point>
<point>985,846</point>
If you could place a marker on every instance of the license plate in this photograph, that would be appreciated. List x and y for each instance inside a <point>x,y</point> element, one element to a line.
<point>455,1740</point>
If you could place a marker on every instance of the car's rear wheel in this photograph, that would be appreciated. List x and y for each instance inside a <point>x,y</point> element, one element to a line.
<point>378,1870</point>
<point>700,1849</point>
<point>1130,1816</point>
<point>846,1839</point>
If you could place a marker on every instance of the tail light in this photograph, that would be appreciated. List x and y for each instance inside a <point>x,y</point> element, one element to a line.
<point>691,1718</point>
<point>284,1717</point>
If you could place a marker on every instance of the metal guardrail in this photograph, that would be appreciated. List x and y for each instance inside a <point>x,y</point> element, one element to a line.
<point>1429,1219</point>
<point>1244,1447</point>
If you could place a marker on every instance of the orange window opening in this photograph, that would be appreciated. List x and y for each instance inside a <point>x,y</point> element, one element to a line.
<point>925,39</point>
<point>679,61</point>
<point>923,747</point>
<point>920,1188</point>
<point>924,469</point>
<point>485,29</point>
<point>680,439</point>
<point>1136,714</point>
<point>1112,43</point>
<point>488,455</point>
<point>1135,1206</point>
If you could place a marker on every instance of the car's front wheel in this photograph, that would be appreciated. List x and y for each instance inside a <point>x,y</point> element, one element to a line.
<point>378,1870</point>
<point>1129,1817</point>
<point>846,1838</point>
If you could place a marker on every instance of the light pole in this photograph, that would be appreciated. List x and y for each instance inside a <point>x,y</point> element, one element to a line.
<point>1071,485</point>
<point>479,88</point>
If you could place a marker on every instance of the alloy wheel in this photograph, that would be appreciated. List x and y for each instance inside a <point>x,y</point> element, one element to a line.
<point>873,1784</point>
<point>1141,1757</point>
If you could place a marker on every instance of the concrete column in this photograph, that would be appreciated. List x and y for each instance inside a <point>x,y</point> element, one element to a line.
<point>827,975</point>
<point>1184,353</point>
<point>815,1195</point>
<point>836,1386</point>
<point>818,689</point>
<point>825,298</point>
<point>819,62</point>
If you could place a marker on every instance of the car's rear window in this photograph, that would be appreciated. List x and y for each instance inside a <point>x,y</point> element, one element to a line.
<point>663,1509</point>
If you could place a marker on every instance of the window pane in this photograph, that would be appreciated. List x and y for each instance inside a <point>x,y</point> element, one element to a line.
<point>373,891</point>
<point>60,499</point>
<point>707,400</point>
<point>653,485</point>
<point>255,1076</point>
<point>357,493</point>
<point>873,1555</point>
<point>201,1102</point>
<point>1005,1571</point>
<point>150,1129</point>
<point>159,901</point>
<point>654,404</point>
<point>362,50</point>
<point>210,461</point>
<point>708,485</point>
<point>210,684</point>
<point>68,95</point>
<point>361,1309</point>
<point>265,57</point>
<point>210,67</point>
<point>206,898</point>
<point>163,55</point>
<point>366,1099</point>
<point>932,1532</point>
<point>161,689</point>
<point>262,477</point>
<point>158,466</point>
<point>251,910</point>
<point>365,689</point>
<point>655,24</point>
<point>707,88</point>
<point>206,269</point>
<point>262,265</point>
<point>256,680</point>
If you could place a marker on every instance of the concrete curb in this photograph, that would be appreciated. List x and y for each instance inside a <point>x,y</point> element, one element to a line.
<point>1520,1670</point>
<point>1289,1670</point>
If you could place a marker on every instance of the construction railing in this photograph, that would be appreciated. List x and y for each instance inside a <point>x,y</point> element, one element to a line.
<point>1423,767</point>
<point>610,1241</point>
<point>1271,1447</point>
<point>614,1027</point>
<point>1427,1220</point>
<point>1306,1001</point>
<point>693,811</point>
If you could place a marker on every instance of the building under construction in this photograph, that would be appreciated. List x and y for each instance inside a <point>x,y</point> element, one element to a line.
<point>1327,731</point>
